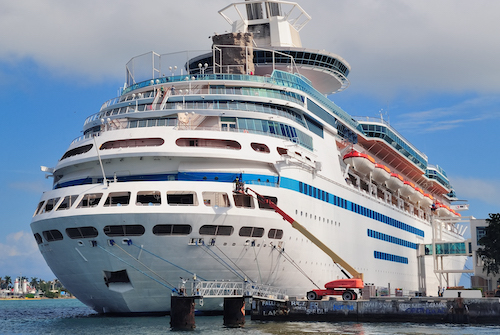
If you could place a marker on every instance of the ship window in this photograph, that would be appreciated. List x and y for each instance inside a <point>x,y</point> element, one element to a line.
<point>243,200</point>
<point>215,199</point>
<point>266,206</point>
<point>81,232</point>
<point>132,143</point>
<point>216,230</point>
<point>275,233</point>
<point>260,147</point>
<point>124,230</point>
<point>172,229</point>
<point>52,235</point>
<point>40,204</point>
<point>38,238</point>
<point>117,199</point>
<point>251,231</point>
<point>208,142</point>
<point>182,198</point>
<point>90,200</point>
<point>77,151</point>
<point>149,198</point>
<point>67,202</point>
<point>282,151</point>
<point>49,206</point>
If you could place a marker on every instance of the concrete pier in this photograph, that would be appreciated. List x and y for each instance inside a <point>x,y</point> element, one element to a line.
<point>453,310</point>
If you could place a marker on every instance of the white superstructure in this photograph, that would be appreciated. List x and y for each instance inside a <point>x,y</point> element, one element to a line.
<point>145,196</point>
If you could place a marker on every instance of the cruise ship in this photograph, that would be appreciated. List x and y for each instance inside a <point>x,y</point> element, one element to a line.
<point>145,199</point>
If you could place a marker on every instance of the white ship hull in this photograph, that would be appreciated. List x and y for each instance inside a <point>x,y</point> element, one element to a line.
<point>81,267</point>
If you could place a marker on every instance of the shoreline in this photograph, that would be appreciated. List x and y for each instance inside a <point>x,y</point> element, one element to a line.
<point>39,298</point>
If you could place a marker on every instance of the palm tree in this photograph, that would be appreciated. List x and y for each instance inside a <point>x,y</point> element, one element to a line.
<point>8,281</point>
<point>34,282</point>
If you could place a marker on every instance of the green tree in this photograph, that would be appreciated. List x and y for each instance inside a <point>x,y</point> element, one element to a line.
<point>34,283</point>
<point>490,242</point>
<point>7,281</point>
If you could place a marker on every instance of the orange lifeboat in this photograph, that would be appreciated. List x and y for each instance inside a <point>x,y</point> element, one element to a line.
<point>417,196</point>
<point>441,209</point>
<point>427,200</point>
<point>408,189</point>
<point>381,173</point>
<point>362,163</point>
<point>395,182</point>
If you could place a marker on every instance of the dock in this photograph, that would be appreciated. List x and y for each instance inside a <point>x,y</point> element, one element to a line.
<point>267,303</point>
<point>396,309</point>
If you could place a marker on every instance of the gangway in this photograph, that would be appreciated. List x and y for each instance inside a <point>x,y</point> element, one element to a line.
<point>226,289</point>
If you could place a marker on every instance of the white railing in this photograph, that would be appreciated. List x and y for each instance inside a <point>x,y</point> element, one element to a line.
<point>221,289</point>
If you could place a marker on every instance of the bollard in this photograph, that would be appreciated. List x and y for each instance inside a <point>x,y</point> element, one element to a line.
<point>234,312</point>
<point>182,313</point>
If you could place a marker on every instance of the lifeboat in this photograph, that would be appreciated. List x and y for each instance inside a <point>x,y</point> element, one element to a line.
<point>417,196</point>
<point>427,200</point>
<point>362,163</point>
<point>441,210</point>
<point>395,182</point>
<point>408,189</point>
<point>381,173</point>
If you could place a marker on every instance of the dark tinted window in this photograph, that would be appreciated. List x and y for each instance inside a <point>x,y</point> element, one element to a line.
<point>172,229</point>
<point>38,238</point>
<point>275,233</point>
<point>52,235</point>
<point>251,231</point>
<point>216,230</point>
<point>266,206</point>
<point>82,232</point>
<point>124,230</point>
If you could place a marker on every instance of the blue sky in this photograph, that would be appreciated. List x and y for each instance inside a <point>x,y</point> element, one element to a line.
<point>430,67</point>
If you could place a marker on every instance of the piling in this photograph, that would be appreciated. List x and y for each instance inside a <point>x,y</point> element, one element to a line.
<point>182,313</point>
<point>234,312</point>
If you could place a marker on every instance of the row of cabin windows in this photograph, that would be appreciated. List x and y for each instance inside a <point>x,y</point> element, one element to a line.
<point>155,142</point>
<point>150,198</point>
<point>159,230</point>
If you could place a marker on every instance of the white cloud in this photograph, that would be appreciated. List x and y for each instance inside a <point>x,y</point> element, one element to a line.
<point>466,113</point>
<point>415,46</point>
<point>20,256</point>
<point>487,191</point>
<point>35,187</point>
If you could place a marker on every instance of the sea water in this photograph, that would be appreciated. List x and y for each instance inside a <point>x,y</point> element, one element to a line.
<point>69,316</point>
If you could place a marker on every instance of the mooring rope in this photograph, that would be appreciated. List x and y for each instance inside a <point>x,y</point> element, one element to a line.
<point>177,266</point>
<point>113,243</point>
<point>173,289</point>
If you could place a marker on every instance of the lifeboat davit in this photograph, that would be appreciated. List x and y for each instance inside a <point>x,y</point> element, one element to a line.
<point>417,196</point>
<point>395,182</point>
<point>381,173</point>
<point>362,163</point>
<point>408,189</point>
<point>427,200</point>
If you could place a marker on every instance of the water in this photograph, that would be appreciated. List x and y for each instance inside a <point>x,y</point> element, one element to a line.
<point>69,316</point>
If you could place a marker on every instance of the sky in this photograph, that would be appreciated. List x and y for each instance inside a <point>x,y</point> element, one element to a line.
<point>430,68</point>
